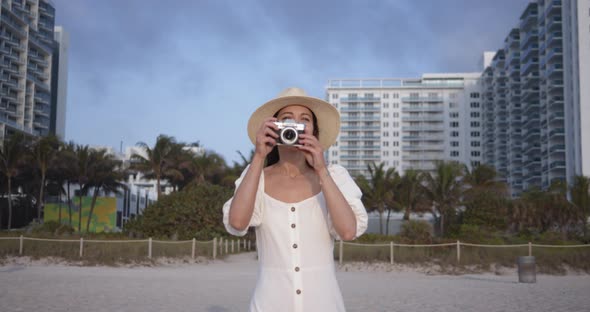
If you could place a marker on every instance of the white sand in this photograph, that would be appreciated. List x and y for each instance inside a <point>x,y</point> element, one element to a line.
<point>227,285</point>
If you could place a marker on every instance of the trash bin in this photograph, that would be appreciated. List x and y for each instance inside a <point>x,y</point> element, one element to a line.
<point>526,270</point>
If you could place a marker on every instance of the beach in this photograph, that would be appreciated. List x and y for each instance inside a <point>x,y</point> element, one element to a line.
<point>226,285</point>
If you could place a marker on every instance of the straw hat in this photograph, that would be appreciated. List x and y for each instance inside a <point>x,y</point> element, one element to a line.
<point>327,115</point>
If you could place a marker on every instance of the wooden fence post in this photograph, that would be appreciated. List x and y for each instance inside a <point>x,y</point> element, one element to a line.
<point>221,245</point>
<point>458,252</point>
<point>232,245</point>
<point>214,248</point>
<point>249,245</point>
<point>150,248</point>
<point>226,245</point>
<point>530,249</point>
<point>193,251</point>
<point>20,248</point>
<point>81,246</point>
<point>391,252</point>
<point>341,251</point>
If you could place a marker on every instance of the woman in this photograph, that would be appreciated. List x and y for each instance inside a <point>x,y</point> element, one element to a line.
<point>298,206</point>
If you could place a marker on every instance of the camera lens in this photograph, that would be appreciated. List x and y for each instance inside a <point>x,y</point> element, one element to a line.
<point>289,136</point>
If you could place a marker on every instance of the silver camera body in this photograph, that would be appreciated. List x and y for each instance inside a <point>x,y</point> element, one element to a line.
<point>289,132</point>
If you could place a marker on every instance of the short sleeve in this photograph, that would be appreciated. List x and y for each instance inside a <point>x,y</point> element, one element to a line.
<point>352,193</point>
<point>258,203</point>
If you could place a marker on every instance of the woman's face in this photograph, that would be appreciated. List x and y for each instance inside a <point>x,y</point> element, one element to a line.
<point>300,114</point>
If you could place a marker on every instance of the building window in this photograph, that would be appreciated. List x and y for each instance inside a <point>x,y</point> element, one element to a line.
<point>454,133</point>
<point>395,143</point>
<point>385,105</point>
<point>385,153</point>
<point>474,95</point>
<point>395,115</point>
<point>385,95</point>
<point>474,114</point>
<point>334,95</point>
<point>385,134</point>
<point>334,153</point>
<point>395,133</point>
<point>395,153</point>
<point>475,163</point>
<point>352,95</point>
<point>386,124</point>
<point>474,133</point>
<point>454,124</point>
<point>385,143</point>
<point>454,153</point>
<point>454,143</point>
<point>475,153</point>
<point>395,124</point>
<point>454,114</point>
<point>395,105</point>
<point>475,143</point>
<point>385,115</point>
<point>452,105</point>
<point>474,104</point>
<point>395,96</point>
<point>369,95</point>
<point>475,123</point>
<point>452,95</point>
<point>414,95</point>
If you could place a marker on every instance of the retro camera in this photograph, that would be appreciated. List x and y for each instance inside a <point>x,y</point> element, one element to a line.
<point>289,131</point>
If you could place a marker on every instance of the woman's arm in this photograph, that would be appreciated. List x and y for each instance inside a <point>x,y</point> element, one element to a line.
<point>242,205</point>
<point>343,218</point>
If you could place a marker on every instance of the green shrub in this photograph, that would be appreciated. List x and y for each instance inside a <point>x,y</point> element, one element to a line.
<point>417,231</point>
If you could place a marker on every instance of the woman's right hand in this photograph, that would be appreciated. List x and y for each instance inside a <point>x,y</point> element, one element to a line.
<point>266,137</point>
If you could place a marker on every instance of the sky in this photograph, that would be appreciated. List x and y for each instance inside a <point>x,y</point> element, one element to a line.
<point>196,69</point>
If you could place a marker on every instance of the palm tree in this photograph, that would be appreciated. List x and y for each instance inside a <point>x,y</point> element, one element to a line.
<point>482,178</point>
<point>206,166</point>
<point>11,155</point>
<point>377,190</point>
<point>44,153</point>
<point>411,195</point>
<point>444,188</point>
<point>83,162</point>
<point>66,171</point>
<point>580,195</point>
<point>157,160</point>
<point>103,175</point>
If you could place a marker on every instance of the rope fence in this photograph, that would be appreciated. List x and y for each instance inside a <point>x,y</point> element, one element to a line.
<point>120,250</point>
<point>448,253</point>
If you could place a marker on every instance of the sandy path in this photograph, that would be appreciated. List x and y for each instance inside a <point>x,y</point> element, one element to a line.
<point>227,285</point>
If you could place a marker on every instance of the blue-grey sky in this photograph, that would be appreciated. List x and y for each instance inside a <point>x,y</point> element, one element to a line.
<point>197,69</point>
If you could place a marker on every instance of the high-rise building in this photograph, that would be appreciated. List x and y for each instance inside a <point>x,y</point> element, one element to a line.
<point>26,49</point>
<point>407,123</point>
<point>59,83</point>
<point>534,130</point>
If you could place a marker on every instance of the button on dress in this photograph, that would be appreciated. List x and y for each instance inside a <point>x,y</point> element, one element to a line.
<point>295,243</point>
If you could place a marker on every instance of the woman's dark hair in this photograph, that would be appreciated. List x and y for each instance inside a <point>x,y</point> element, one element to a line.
<point>273,157</point>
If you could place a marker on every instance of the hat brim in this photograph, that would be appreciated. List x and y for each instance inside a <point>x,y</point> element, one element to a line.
<point>327,116</point>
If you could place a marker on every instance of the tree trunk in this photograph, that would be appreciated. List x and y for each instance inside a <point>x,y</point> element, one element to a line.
<point>407,213</point>
<point>40,201</point>
<point>387,222</point>
<point>80,209</point>
<point>94,196</point>
<point>442,224</point>
<point>9,202</point>
<point>59,209</point>
<point>380,222</point>
<point>158,186</point>
<point>69,202</point>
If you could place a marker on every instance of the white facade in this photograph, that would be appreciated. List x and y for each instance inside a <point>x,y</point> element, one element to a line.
<point>63,40</point>
<point>406,123</point>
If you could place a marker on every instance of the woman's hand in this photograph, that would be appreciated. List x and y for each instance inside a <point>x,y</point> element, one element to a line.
<point>314,154</point>
<point>266,137</point>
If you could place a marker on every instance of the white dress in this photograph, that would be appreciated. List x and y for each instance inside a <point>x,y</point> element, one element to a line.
<point>295,243</point>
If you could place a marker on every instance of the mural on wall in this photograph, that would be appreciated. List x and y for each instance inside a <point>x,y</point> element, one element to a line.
<point>104,215</point>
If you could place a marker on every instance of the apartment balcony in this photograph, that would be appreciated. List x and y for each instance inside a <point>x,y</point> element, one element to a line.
<point>360,138</point>
<point>530,65</point>
<point>557,165</point>
<point>531,51</point>
<point>552,8</point>
<point>528,20</point>
<point>554,23</point>
<point>42,113</point>
<point>423,108</point>
<point>514,58</point>
<point>360,99</point>
<point>531,37</point>
<point>557,148</point>
<point>554,70</point>
<point>14,27</point>
<point>556,117</point>
<point>558,132</point>
<point>555,86</point>
<point>423,128</point>
<point>424,137</point>
<point>360,147</point>
<point>360,128</point>
<point>361,109</point>
<point>438,118</point>
<point>424,147</point>
<point>422,157</point>
<point>554,39</point>
<point>422,99</point>
<point>360,157</point>
<point>552,54</point>
<point>361,118</point>
<point>40,125</point>
<point>421,167</point>
<point>530,94</point>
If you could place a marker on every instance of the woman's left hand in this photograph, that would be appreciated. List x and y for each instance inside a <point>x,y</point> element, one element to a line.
<point>314,154</point>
